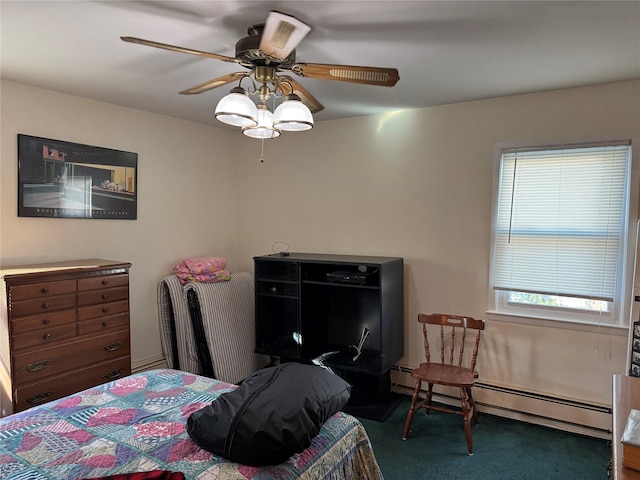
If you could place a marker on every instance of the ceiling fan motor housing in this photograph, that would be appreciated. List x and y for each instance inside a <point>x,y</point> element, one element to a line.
<point>249,53</point>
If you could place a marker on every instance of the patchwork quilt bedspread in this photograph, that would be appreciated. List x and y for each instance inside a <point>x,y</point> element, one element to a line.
<point>137,424</point>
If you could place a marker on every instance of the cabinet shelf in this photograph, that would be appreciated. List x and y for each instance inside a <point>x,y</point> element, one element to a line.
<point>278,296</point>
<point>278,280</point>
<point>338,285</point>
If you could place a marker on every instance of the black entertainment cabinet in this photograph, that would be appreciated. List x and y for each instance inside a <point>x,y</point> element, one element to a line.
<point>312,304</point>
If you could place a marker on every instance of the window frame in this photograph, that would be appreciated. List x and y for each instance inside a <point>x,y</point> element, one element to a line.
<point>618,320</point>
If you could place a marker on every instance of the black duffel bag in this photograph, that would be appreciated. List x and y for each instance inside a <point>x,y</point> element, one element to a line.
<point>273,414</point>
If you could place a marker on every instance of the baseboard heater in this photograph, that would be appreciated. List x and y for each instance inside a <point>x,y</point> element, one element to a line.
<point>527,416</point>
<point>546,398</point>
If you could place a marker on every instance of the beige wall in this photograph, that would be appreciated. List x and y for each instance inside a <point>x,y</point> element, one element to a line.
<point>415,184</point>
<point>186,202</point>
<point>418,184</point>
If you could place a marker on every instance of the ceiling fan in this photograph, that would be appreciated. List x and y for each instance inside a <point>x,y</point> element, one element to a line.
<point>267,51</point>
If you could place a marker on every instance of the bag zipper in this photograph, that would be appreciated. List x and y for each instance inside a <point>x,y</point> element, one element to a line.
<point>243,408</point>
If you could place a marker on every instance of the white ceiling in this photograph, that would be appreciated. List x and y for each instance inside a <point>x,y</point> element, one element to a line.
<point>446,51</point>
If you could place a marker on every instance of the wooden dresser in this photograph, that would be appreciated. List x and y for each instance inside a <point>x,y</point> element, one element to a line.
<point>64,327</point>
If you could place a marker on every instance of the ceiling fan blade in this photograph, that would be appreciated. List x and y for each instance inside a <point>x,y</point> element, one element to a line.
<point>216,82</point>
<point>309,100</point>
<point>281,34</point>
<point>386,77</point>
<point>174,48</point>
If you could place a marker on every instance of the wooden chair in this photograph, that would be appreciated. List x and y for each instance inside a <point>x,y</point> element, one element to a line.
<point>455,369</point>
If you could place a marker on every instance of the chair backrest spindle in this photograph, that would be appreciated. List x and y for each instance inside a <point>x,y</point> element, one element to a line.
<point>426,343</point>
<point>442,346</point>
<point>464,336</point>
<point>474,355</point>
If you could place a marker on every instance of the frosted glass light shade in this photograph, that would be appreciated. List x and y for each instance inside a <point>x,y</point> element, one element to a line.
<point>264,129</point>
<point>292,115</point>
<point>237,109</point>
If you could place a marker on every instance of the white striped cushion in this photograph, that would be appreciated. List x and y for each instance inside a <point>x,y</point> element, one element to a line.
<point>228,313</point>
<point>172,304</point>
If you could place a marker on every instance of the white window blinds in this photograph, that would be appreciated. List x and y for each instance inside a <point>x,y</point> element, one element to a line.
<point>560,221</point>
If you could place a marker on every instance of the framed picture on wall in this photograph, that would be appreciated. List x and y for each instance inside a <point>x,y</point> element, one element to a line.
<point>71,180</point>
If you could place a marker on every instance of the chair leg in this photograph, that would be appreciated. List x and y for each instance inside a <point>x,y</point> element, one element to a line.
<point>472,404</point>
<point>412,410</point>
<point>427,402</point>
<point>466,414</point>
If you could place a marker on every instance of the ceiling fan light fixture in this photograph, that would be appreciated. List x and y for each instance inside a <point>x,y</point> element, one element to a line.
<point>237,109</point>
<point>292,115</point>
<point>264,129</point>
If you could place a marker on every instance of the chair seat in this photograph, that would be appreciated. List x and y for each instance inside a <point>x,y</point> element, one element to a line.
<point>445,375</point>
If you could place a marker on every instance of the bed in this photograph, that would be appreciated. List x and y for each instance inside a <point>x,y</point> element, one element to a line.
<point>137,424</point>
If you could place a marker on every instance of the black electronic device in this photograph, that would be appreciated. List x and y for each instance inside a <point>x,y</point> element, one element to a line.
<point>357,278</point>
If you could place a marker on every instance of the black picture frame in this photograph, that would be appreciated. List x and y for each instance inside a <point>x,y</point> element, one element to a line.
<point>69,180</point>
<point>634,368</point>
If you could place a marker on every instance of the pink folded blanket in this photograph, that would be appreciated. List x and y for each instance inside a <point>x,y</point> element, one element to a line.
<point>202,269</point>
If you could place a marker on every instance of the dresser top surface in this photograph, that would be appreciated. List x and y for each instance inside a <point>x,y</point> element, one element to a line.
<point>69,266</point>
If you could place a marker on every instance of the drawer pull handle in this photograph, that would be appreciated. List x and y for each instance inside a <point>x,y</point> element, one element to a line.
<point>105,296</point>
<point>105,282</point>
<point>45,305</point>
<point>105,310</point>
<point>114,346</point>
<point>46,336</point>
<point>45,290</point>
<point>38,398</point>
<point>114,374</point>
<point>105,324</point>
<point>274,289</point>
<point>46,321</point>
<point>34,367</point>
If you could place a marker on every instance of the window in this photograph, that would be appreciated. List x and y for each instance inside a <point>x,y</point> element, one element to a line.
<point>562,246</point>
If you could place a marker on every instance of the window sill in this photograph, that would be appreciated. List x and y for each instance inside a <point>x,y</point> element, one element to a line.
<point>617,330</point>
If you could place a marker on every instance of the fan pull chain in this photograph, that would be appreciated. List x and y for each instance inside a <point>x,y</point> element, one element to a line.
<point>262,152</point>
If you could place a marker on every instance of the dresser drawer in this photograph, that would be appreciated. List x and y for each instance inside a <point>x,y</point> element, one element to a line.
<point>69,355</point>
<point>104,324</point>
<point>42,290</point>
<point>93,311</point>
<point>44,336</point>
<point>32,307</point>
<point>105,281</point>
<point>47,320</point>
<point>105,295</point>
<point>72,382</point>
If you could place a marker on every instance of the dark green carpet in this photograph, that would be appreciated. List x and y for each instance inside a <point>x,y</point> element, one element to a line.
<point>503,449</point>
